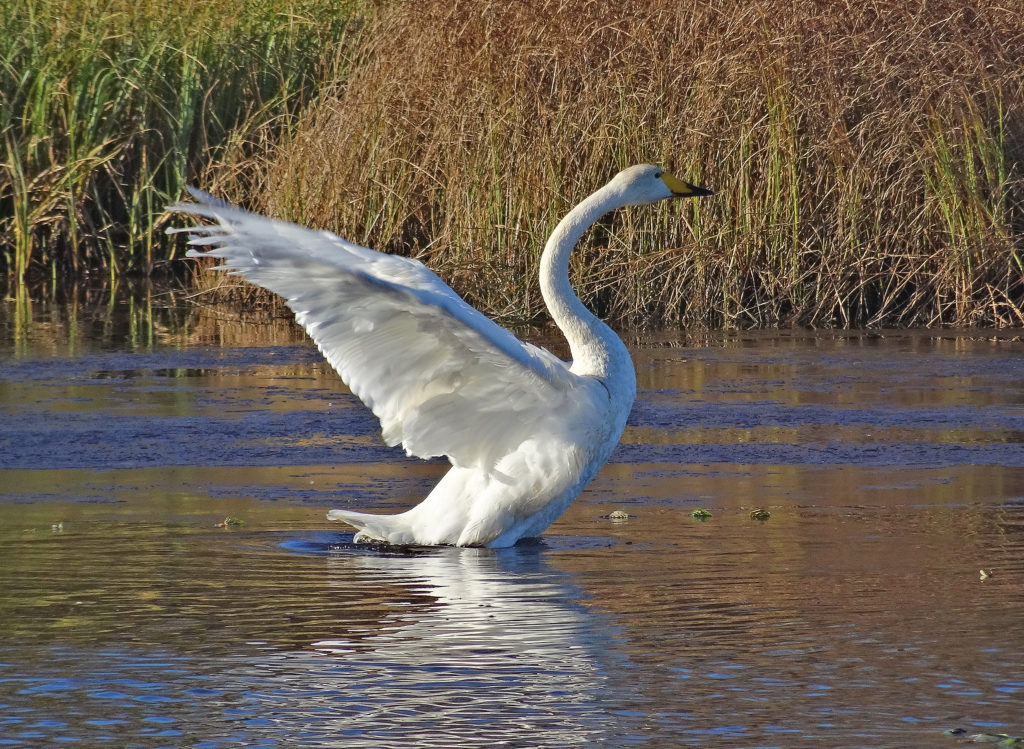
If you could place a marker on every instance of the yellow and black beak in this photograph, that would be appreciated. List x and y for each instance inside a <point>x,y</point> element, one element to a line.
<point>682,189</point>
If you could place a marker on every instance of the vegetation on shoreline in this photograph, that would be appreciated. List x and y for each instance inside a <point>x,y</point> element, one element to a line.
<point>868,159</point>
<point>108,109</point>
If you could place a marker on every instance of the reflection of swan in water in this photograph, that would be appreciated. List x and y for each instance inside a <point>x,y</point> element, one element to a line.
<point>502,652</point>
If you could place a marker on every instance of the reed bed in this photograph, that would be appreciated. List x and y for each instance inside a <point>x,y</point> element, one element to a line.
<point>108,108</point>
<point>868,157</point>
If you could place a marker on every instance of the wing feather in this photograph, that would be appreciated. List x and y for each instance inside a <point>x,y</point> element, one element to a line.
<point>442,378</point>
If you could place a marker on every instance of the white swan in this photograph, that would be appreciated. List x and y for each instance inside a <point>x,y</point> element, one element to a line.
<point>523,430</point>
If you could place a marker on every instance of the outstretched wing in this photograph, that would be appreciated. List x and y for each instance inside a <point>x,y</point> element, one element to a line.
<point>442,378</point>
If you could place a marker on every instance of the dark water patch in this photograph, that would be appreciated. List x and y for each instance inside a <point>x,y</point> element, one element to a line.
<point>910,454</point>
<point>99,415</point>
<point>758,414</point>
<point>103,441</point>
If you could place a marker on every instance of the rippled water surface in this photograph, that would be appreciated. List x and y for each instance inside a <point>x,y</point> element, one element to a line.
<point>856,615</point>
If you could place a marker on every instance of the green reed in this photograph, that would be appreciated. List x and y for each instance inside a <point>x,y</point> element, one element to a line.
<point>108,109</point>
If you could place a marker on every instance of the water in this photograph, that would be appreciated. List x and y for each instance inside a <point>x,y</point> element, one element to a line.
<point>856,615</point>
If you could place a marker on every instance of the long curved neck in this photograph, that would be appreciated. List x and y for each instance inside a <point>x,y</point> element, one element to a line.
<point>596,350</point>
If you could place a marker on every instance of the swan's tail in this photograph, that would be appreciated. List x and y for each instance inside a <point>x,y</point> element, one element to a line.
<point>392,529</point>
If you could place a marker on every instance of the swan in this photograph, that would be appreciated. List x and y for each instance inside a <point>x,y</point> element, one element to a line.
<point>524,431</point>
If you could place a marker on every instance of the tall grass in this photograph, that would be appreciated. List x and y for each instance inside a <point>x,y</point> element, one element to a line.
<point>868,157</point>
<point>107,109</point>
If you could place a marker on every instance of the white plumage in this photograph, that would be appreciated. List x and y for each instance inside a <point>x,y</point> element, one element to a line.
<point>523,430</point>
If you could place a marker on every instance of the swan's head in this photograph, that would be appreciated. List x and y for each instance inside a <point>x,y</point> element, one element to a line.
<point>646,183</point>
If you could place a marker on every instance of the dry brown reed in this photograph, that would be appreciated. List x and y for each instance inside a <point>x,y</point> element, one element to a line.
<point>868,157</point>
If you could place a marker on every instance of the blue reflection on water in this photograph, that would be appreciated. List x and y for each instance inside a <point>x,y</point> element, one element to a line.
<point>496,648</point>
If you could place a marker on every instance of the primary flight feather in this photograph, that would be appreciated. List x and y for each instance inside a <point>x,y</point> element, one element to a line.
<point>523,430</point>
